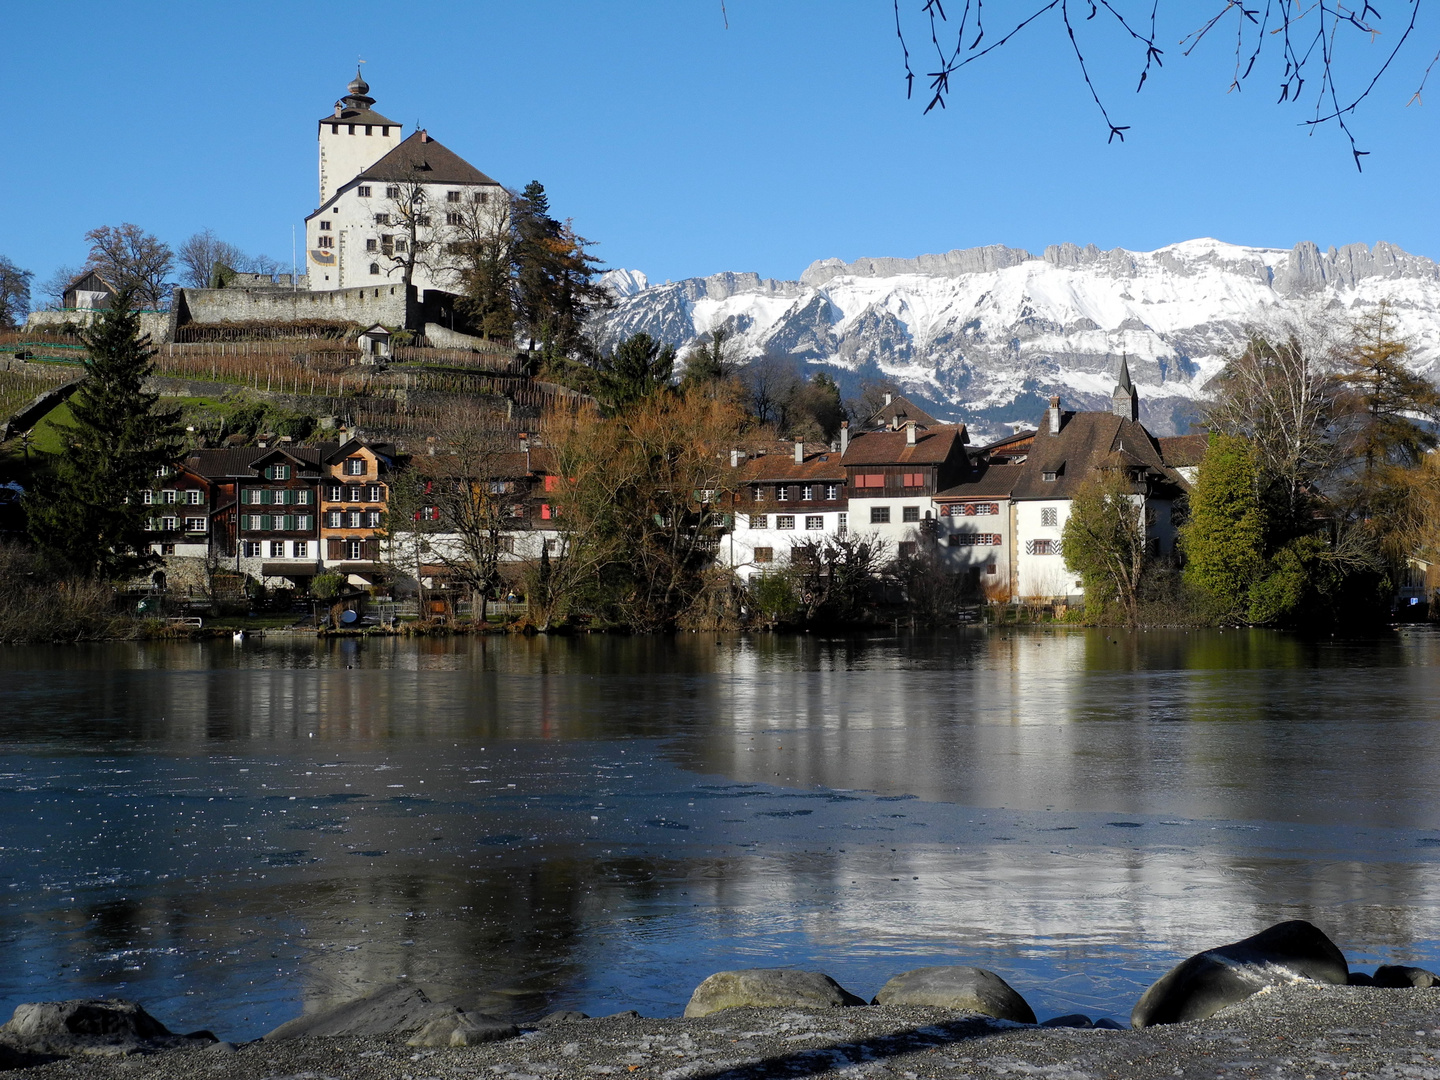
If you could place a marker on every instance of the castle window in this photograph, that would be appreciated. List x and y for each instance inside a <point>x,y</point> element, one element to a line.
<point>759,521</point>
<point>382,219</point>
<point>372,244</point>
<point>392,192</point>
<point>784,521</point>
<point>326,242</point>
<point>423,220</point>
<point>452,196</point>
<point>375,268</point>
<point>385,130</point>
<point>909,513</point>
<point>324,226</point>
<point>454,219</point>
<point>352,128</point>
<point>764,554</point>
<point>482,197</point>
<point>400,245</point>
<point>363,191</point>
<point>367,129</point>
<point>334,129</point>
<point>879,515</point>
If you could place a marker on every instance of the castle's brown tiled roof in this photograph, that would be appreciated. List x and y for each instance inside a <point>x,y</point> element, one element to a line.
<point>350,114</point>
<point>423,159</point>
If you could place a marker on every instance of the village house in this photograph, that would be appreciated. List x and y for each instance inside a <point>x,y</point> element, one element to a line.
<point>976,532</point>
<point>1067,449</point>
<point>892,477</point>
<point>783,501</point>
<point>353,497</point>
<point>179,502</point>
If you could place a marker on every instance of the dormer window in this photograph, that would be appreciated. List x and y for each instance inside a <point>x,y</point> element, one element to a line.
<point>1049,476</point>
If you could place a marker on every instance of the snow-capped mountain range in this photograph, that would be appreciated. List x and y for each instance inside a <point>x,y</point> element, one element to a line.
<point>985,335</point>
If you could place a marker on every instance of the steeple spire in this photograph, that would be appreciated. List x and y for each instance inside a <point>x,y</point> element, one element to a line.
<point>1125,400</point>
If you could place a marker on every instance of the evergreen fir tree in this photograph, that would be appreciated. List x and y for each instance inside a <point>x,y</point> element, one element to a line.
<point>86,515</point>
<point>554,279</point>
<point>707,361</point>
<point>1224,538</point>
<point>638,367</point>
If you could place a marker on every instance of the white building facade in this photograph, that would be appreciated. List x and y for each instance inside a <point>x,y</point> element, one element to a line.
<point>390,204</point>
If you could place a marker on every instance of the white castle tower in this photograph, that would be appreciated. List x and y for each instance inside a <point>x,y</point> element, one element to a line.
<point>353,138</point>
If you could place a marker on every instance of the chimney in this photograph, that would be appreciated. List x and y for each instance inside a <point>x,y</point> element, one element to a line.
<point>799,451</point>
<point>1055,415</point>
<point>734,459</point>
<point>844,436</point>
<point>889,398</point>
<point>338,108</point>
<point>424,135</point>
<point>909,432</point>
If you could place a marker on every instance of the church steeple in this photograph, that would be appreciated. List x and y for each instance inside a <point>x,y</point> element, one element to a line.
<point>1125,400</point>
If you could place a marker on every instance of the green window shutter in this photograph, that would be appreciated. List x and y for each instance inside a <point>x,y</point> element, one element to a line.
<point>266,522</point>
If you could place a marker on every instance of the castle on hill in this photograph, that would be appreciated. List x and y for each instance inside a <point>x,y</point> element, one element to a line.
<point>392,209</point>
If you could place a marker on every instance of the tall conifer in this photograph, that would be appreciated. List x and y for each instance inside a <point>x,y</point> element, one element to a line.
<point>87,515</point>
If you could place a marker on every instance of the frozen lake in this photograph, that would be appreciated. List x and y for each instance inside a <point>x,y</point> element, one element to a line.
<point>229,833</point>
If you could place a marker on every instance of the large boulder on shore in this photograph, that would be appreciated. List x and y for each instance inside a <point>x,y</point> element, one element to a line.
<point>1212,980</point>
<point>960,989</point>
<point>768,988</point>
<point>1404,977</point>
<point>393,1010</point>
<point>459,1028</point>
<point>89,1026</point>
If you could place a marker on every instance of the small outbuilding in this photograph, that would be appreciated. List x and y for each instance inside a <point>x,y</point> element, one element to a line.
<point>374,344</point>
<point>88,292</point>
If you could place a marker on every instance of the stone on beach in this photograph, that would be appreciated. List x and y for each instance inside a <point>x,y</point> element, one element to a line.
<point>767,988</point>
<point>393,1010</point>
<point>1401,977</point>
<point>90,1026</point>
<point>962,989</point>
<point>459,1028</point>
<point>1217,978</point>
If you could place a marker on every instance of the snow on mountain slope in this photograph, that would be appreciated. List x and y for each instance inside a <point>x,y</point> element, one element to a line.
<point>985,335</point>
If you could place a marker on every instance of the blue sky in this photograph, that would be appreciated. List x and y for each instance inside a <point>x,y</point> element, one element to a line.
<point>683,147</point>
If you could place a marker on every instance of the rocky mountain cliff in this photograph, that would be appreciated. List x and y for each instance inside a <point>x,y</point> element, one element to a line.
<point>985,335</point>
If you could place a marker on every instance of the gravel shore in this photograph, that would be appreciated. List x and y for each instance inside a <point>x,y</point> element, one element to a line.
<point>1298,1031</point>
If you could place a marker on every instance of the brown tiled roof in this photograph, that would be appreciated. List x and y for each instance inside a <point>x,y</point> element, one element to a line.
<point>1182,450</point>
<point>987,482</point>
<point>1011,444</point>
<point>422,158</point>
<point>508,465</point>
<point>350,114</point>
<point>768,468</point>
<point>931,447</point>
<point>220,463</point>
<point>898,411</point>
<point>1087,441</point>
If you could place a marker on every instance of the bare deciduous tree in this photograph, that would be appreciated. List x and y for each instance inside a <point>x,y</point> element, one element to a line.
<point>52,289</point>
<point>199,254</point>
<point>133,261</point>
<point>1315,42</point>
<point>14,293</point>
<point>1280,394</point>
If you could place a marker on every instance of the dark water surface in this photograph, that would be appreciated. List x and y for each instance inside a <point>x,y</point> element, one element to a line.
<point>230,833</point>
